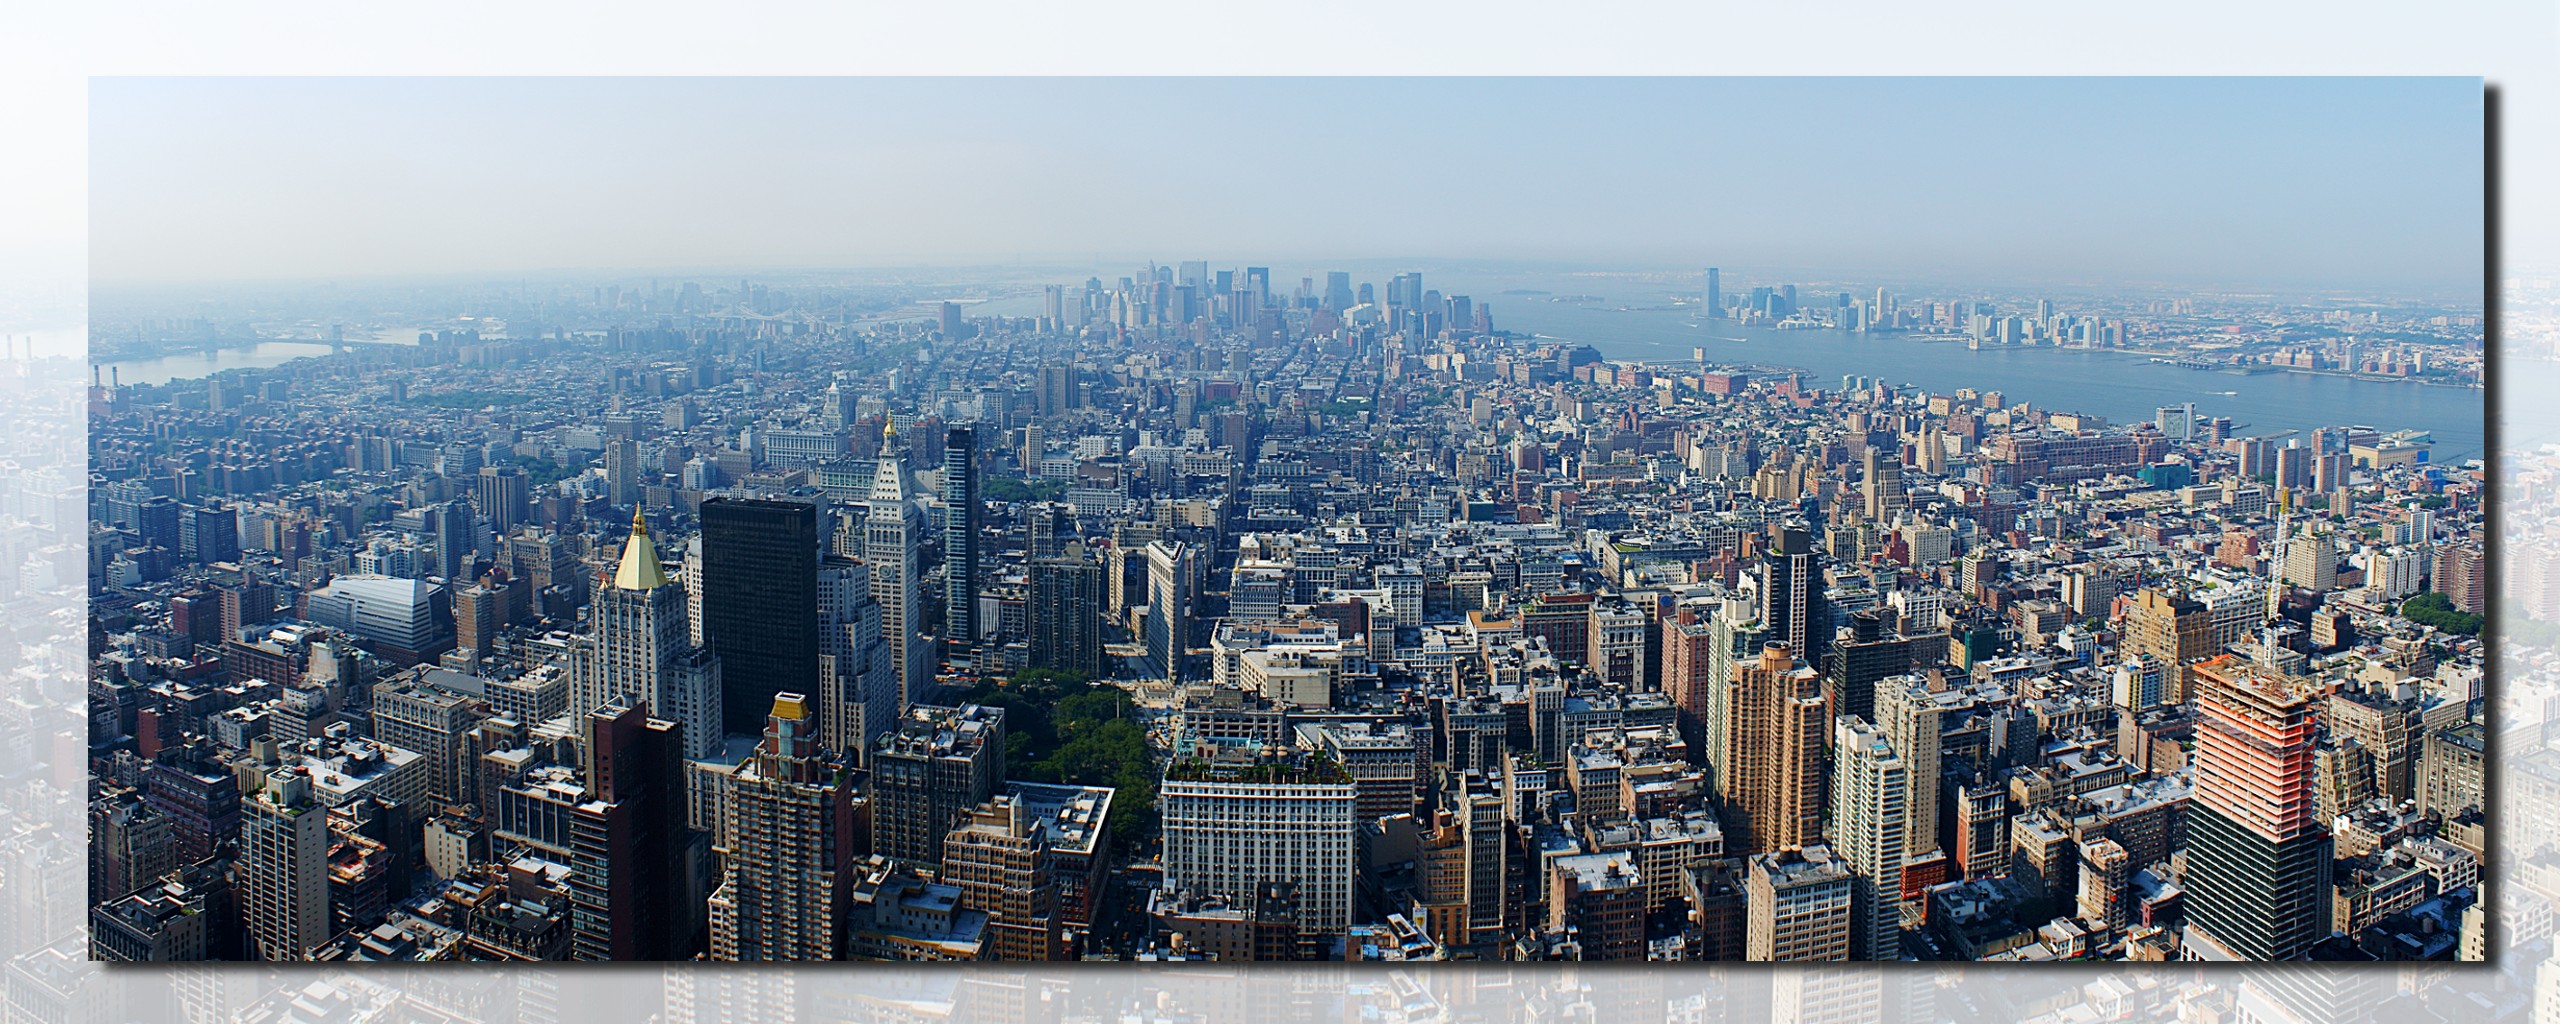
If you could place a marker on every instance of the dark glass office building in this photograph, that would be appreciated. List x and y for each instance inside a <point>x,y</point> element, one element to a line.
<point>1067,596</point>
<point>1869,653</point>
<point>627,841</point>
<point>2261,899</point>
<point>960,528</point>
<point>760,603</point>
<point>1791,592</point>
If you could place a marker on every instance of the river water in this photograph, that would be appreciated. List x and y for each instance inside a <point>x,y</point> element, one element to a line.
<point>188,364</point>
<point>2121,387</point>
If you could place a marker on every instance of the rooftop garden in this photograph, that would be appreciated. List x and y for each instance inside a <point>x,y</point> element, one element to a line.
<point>1304,770</point>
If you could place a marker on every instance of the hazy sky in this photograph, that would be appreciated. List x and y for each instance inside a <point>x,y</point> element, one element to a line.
<point>2241,182</point>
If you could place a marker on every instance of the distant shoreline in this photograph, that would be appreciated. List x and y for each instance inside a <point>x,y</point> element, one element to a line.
<point>1944,339</point>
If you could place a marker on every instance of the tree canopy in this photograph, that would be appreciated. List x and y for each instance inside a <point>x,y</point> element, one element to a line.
<point>1064,728</point>
<point>1009,489</point>
<point>2435,609</point>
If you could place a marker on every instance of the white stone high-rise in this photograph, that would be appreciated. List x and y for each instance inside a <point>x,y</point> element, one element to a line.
<point>1871,819</point>
<point>284,867</point>
<point>622,472</point>
<point>892,535</point>
<point>853,659</point>
<point>1172,588</point>
<point>1908,714</point>
<point>1287,822</point>
<point>693,589</point>
<point>642,651</point>
<point>1883,484</point>
<point>1796,906</point>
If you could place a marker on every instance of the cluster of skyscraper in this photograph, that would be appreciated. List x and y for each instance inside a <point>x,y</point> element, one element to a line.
<point>1191,619</point>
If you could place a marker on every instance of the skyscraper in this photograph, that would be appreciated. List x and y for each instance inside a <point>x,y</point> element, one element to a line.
<point>1600,898</point>
<point>212,534</point>
<point>457,540</point>
<point>1983,566</point>
<point>1883,481</point>
<point>2330,472</point>
<point>2175,421</point>
<point>1228,833</point>
<point>1058,393</point>
<point>203,801</point>
<point>1870,820</point>
<point>853,659</point>
<point>760,602</point>
<point>502,492</point>
<point>893,542</point>
<point>1981,840</point>
<point>1772,785</point>
<point>1487,838</point>
<point>2172,632</point>
<point>641,653</point>
<point>250,602</point>
<point>1736,637</point>
<point>840,406</point>
<point>1172,586</point>
<point>1066,611</point>
<point>627,839</point>
<point>1715,293</point>
<point>622,472</point>
<point>156,522</point>
<point>1686,653</point>
<point>961,512</point>
<point>2450,771</point>
<point>1907,714</point>
<point>1050,525</point>
<point>791,846</point>
<point>2310,560</point>
<point>1034,445</point>
<point>1791,591</point>
<point>928,772</point>
<point>1257,280</point>
<point>129,845</point>
<point>2461,575</point>
<point>999,857</point>
<point>2138,683</point>
<point>2293,466</point>
<point>1616,646</point>
<point>2258,859</point>
<point>479,612</point>
<point>414,716</point>
<point>1861,656</point>
<point>1796,905</point>
<point>1404,291</point>
<point>284,867</point>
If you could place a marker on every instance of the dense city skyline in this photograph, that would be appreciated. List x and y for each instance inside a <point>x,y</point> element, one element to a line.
<point>2008,520</point>
<point>46,914</point>
<point>1331,619</point>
